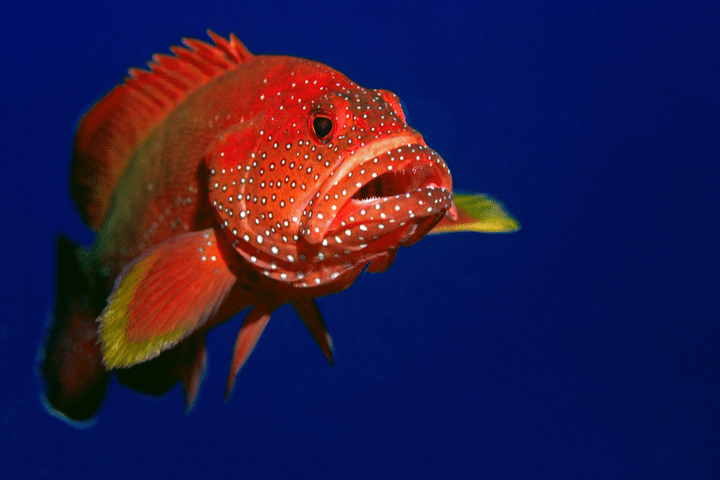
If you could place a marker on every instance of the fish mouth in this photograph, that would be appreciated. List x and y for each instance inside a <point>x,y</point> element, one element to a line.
<point>387,193</point>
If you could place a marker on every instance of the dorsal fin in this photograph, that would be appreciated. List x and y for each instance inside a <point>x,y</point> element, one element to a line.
<point>112,130</point>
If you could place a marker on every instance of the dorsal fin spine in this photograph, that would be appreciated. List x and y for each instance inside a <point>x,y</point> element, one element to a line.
<point>173,81</point>
<point>158,82</point>
<point>113,129</point>
<point>207,53</point>
<point>234,47</point>
<point>193,59</point>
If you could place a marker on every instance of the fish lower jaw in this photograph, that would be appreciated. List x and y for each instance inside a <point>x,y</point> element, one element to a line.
<point>378,223</point>
<point>367,230</point>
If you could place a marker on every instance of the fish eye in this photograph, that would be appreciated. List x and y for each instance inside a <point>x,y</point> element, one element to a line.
<point>321,126</point>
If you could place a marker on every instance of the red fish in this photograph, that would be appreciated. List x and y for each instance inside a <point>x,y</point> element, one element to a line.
<point>219,180</point>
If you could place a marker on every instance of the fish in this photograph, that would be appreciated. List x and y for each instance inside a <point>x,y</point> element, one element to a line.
<point>217,181</point>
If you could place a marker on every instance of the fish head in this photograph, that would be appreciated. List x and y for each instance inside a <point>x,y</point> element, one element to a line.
<point>331,179</point>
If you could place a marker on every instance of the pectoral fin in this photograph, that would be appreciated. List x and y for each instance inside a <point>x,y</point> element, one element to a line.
<point>163,296</point>
<point>478,213</point>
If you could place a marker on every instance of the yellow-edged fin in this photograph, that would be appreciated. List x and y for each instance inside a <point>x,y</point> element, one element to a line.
<point>163,296</point>
<point>478,213</point>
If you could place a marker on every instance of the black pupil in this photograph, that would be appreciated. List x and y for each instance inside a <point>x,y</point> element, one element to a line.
<point>322,127</point>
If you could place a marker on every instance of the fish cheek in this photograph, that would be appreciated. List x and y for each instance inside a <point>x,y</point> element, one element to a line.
<point>230,161</point>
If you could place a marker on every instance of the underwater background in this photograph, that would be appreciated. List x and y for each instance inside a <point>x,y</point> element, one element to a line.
<point>586,345</point>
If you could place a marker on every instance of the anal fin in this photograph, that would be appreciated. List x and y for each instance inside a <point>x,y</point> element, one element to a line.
<point>185,363</point>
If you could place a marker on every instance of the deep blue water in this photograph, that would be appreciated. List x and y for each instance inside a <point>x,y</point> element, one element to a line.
<point>584,346</point>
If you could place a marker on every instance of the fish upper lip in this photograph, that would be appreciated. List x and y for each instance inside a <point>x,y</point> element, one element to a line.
<point>369,150</point>
<point>419,164</point>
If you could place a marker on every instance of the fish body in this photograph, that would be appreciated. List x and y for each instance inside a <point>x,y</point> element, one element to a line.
<point>220,180</point>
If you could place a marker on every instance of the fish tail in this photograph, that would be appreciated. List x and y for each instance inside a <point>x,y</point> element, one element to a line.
<point>70,357</point>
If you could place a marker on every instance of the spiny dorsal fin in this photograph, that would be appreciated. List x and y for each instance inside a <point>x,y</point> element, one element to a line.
<point>114,128</point>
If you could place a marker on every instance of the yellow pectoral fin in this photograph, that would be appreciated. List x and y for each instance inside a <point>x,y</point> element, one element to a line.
<point>163,296</point>
<point>478,213</point>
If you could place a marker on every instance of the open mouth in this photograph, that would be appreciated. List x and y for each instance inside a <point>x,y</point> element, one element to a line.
<point>386,185</point>
<point>396,195</point>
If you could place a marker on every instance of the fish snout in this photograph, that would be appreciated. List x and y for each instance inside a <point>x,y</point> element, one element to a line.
<point>385,194</point>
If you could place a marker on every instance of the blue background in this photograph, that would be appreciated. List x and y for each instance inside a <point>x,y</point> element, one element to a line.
<point>584,346</point>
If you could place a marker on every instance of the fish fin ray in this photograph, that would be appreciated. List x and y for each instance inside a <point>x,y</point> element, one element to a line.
<point>192,374</point>
<point>478,213</point>
<point>247,338</point>
<point>311,316</point>
<point>112,130</point>
<point>159,275</point>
